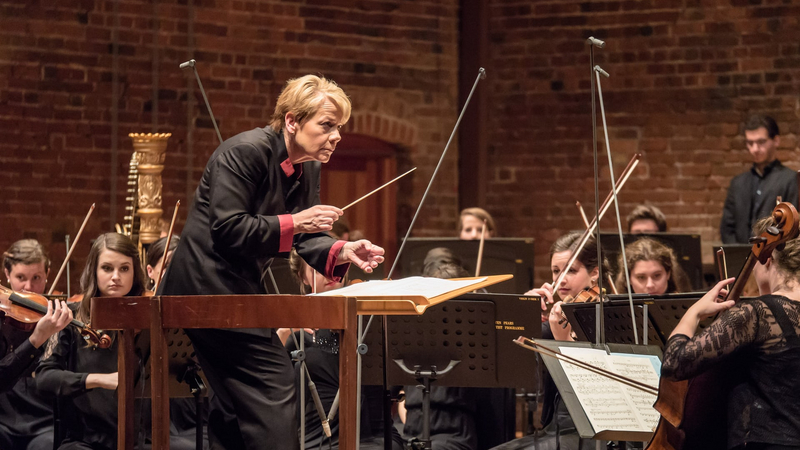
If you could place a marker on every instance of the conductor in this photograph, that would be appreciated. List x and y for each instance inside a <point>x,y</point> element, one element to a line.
<point>257,199</point>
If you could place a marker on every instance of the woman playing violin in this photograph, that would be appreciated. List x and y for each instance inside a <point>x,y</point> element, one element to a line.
<point>26,416</point>
<point>583,274</point>
<point>654,269</point>
<point>759,338</point>
<point>26,266</point>
<point>84,374</point>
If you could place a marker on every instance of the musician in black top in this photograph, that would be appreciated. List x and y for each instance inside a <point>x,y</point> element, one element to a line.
<point>758,340</point>
<point>26,416</point>
<point>258,198</point>
<point>752,194</point>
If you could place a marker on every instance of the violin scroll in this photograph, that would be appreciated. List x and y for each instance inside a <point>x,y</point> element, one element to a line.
<point>98,338</point>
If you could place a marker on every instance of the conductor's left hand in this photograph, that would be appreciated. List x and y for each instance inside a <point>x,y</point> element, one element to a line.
<point>362,253</point>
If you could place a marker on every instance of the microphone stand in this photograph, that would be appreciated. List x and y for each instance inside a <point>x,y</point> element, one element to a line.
<point>600,326</point>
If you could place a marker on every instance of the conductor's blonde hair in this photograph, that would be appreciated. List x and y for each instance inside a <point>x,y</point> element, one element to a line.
<point>304,96</point>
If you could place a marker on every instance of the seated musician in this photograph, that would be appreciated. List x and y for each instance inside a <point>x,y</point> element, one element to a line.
<point>758,337</point>
<point>583,274</point>
<point>654,269</point>
<point>646,218</point>
<point>471,224</point>
<point>26,416</point>
<point>322,359</point>
<point>155,257</point>
<point>82,374</point>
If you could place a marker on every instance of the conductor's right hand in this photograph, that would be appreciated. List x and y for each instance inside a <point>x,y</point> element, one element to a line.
<point>316,219</point>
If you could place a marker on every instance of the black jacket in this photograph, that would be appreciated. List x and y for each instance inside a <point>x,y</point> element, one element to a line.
<point>233,229</point>
<point>752,197</point>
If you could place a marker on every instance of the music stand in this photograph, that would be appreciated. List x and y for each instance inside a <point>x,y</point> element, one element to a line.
<point>570,398</point>
<point>618,324</point>
<point>663,312</point>
<point>184,376</point>
<point>493,362</point>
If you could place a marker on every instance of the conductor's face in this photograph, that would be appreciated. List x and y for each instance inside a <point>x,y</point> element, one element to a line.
<point>316,138</point>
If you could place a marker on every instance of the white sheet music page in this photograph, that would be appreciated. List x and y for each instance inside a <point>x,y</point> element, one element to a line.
<point>424,286</point>
<point>610,405</point>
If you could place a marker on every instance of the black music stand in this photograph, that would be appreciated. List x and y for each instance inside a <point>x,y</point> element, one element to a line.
<point>663,312</point>
<point>476,329</point>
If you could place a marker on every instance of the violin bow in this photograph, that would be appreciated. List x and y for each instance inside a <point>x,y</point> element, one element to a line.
<point>480,250</point>
<point>606,204</point>
<point>530,344</point>
<point>481,76</point>
<point>71,249</point>
<point>166,246</point>
<point>586,223</point>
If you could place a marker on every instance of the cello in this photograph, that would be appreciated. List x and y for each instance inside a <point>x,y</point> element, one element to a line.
<point>694,412</point>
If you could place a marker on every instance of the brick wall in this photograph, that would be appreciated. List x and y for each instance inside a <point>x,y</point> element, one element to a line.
<point>685,74</point>
<point>396,59</point>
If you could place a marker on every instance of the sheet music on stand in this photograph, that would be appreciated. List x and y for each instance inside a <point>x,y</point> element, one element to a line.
<point>602,408</point>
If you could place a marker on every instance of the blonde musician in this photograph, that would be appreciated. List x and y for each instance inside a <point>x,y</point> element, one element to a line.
<point>471,224</point>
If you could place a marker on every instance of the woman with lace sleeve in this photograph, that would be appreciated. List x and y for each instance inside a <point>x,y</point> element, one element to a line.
<point>758,339</point>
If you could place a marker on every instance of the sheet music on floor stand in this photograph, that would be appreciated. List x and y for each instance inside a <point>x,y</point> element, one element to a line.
<point>602,408</point>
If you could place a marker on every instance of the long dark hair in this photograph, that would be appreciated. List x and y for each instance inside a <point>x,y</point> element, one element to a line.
<point>587,256</point>
<point>120,244</point>
<point>156,253</point>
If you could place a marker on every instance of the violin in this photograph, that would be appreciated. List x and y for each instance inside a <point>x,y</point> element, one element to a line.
<point>694,412</point>
<point>587,295</point>
<point>24,309</point>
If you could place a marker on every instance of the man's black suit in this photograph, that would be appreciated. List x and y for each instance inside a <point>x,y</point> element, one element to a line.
<point>751,196</point>
<point>239,221</point>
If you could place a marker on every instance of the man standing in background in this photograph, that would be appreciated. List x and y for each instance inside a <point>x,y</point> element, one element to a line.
<point>752,194</point>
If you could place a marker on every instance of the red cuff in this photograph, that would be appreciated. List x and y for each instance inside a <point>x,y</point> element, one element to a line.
<point>332,271</point>
<point>287,232</point>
